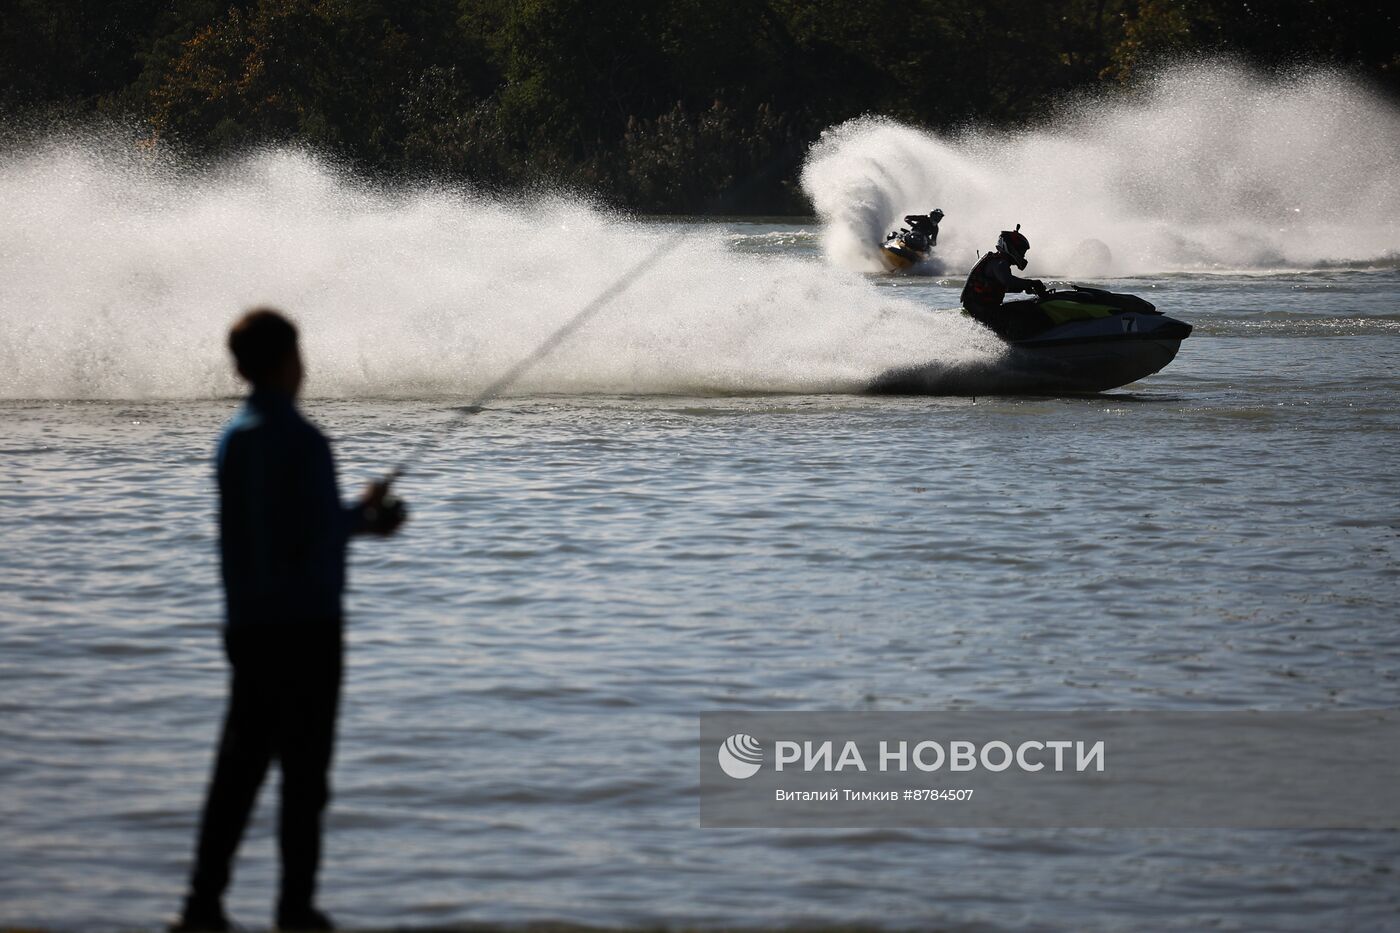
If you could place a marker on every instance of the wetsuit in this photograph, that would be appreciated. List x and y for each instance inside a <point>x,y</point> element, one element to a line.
<point>282,537</point>
<point>924,224</point>
<point>987,284</point>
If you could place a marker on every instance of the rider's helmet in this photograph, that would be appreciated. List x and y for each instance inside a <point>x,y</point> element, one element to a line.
<point>1014,244</point>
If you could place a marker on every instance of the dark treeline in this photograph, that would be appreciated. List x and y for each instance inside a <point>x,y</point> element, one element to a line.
<point>652,104</point>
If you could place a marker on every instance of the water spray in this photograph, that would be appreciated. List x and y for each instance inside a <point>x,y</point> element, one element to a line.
<point>391,508</point>
<point>1202,167</point>
<point>392,505</point>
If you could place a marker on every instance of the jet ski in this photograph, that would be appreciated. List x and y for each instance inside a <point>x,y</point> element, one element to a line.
<point>1066,341</point>
<point>904,249</point>
<point>910,246</point>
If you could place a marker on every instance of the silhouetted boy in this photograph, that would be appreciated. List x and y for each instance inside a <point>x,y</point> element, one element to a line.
<point>282,538</point>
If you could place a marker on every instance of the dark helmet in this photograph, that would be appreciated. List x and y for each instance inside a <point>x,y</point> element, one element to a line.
<point>1014,244</point>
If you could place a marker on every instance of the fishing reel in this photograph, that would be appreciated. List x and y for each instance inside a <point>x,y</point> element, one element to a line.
<point>387,514</point>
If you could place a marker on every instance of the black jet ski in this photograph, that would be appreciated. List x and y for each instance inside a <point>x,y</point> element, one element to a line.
<point>1066,341</point>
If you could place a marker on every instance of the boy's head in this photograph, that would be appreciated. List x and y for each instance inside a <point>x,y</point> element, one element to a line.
<point>264,347</point>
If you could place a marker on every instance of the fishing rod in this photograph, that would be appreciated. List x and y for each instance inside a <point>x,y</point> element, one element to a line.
<point>390,507</point>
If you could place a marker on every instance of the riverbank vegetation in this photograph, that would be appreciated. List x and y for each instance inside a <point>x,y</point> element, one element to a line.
<point>654,105</point>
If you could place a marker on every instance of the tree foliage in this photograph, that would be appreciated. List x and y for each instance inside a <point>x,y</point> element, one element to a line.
<point>657,104</point>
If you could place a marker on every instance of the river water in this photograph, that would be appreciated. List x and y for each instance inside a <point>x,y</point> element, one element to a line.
<point>692,506</point>
<point>586,571</point>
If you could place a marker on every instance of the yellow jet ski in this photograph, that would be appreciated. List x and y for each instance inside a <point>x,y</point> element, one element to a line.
<point>911,246</point>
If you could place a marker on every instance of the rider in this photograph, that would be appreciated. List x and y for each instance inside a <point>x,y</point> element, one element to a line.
<point>990,280</point>
<point>926,224</point>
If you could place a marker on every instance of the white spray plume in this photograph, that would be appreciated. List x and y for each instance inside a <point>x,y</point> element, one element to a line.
<point>1204,167</point>
<point>123,272</point>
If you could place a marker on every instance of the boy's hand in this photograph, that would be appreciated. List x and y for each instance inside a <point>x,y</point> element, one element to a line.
<point>384,512</point>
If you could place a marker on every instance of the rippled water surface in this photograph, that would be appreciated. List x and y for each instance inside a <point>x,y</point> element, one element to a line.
<point>584,574</point>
